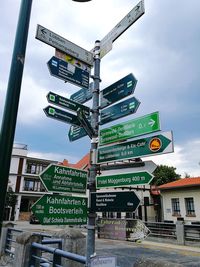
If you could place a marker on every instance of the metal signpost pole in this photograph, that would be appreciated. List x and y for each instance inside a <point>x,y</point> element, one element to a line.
<point>93,169</point>
<point>12,99</point>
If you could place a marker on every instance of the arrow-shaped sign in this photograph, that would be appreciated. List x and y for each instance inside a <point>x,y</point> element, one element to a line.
<point>120,110</point>
<point>118,90</point>
<point>57,178</point>
<point>76,133</point>
<point>122,229</point>
<point>143,125</point>
<point>111,169</point>
<point>67,72</point>
<point>122,26</point>
<point>153,145</point>
<point>66,103</point>
<point>60,210</point>
<point>83,95</point>
<point>85,123</point>
<point>123,179</point>
<point>114,201</point>
<point>61,115</point>
<point>63,44</point>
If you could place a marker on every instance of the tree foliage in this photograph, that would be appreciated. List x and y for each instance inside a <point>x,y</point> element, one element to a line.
<point>164,174</point>
<point>10,198</point>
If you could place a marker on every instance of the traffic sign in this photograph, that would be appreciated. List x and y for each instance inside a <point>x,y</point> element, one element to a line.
<point>114,201</point>
<point>57,178</point>
<point>122,26</point>
<point>83,95</point>
<point>124,179</point>
<point>60,210</point>
<point>153,145</point>
<point>117,111</point>
<point>117,90</point>
<point>103,261</point>
<point>85,123</point>
<point>76,133</point>
<point>63,44</point>
<point>59,114</point>
<point>66,103</point>
<point>143,125</point>
<point>67,72</point>
<point>112,169</point>
<point>122,229</point>
<point>72,60</point>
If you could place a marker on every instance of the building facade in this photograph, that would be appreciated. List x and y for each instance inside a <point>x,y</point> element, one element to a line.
<point>180,200</point>
<point>24,180</point>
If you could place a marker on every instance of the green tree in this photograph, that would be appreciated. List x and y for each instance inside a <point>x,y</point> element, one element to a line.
<point>10,198</point>
<point>164,174</point>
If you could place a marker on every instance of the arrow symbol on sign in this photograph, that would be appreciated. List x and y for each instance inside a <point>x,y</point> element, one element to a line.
<point>43,31</point>
<point>151,123</point>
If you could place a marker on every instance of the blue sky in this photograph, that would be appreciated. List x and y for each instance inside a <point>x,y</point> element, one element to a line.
<point>161,49</point>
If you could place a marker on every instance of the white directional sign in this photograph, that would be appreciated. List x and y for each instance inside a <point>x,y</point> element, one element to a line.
<point>63,44</point>
<point>123,25</point>
<point>149,166</point>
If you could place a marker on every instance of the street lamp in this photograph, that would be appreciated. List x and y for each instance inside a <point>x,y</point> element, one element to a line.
<point>12,98</point>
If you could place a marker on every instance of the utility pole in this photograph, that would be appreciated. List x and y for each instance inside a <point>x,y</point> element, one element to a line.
<point>93,152</point>
<point>12,100</point>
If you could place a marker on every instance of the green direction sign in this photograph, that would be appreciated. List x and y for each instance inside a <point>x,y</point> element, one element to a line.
<point>76,133</point>
<point>114,201</point>
<point>118,90</point>
<point>60,210</point>
<point>58,178</point>
<point>144,125</point>
<point>124,179</point>
<point>61,115</point>
<point>120,110</point>
<point>66,103</point>
<point>153,145</point>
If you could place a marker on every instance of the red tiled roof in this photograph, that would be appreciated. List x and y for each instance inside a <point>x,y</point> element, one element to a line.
<point>83,163</point>
<point>185,182</point>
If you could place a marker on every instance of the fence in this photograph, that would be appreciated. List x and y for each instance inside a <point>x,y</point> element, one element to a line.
<point>162,230</point>
<point>184,234</point>
<point>11,236</point>
<point>57,254</point>
<point>41,249</point>
<point>51,251</point>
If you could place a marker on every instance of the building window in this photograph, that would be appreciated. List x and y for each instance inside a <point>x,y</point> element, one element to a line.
<point>34,167</point>
<point>33,185</point>
<point>189,206</point>
<point>176,207</point>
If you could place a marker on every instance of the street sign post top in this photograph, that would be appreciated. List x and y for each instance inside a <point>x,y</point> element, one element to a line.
<point>66,103</point>
<point>122,26</point>
<point>59,178</point>
<point>124,179</point>
<point>118,90</point>
<point>63,44</point>
<point>143,125</point>
<point>114,201</point>
<point>152,145</point>
<point>60,210</point>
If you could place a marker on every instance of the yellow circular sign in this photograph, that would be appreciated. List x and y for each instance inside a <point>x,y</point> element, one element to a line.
<point>155,144</point>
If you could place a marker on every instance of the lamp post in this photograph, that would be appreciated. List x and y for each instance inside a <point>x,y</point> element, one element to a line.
<point>12,98</point>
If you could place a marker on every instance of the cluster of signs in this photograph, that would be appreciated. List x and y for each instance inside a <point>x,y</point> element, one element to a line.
<point>127,140</point>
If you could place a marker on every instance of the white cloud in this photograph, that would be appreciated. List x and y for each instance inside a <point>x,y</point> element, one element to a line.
<point>184,158</point>
<point>32,102</point>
